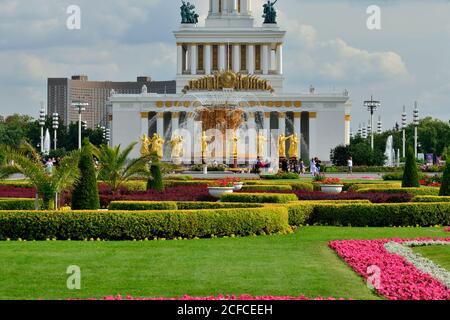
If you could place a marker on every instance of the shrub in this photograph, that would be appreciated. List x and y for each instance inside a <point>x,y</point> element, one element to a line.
<point>16,184</point>
<point>281,176</point>
<point>119,225</point>
<point>18,204</point>
<point>375,197</point>
<point>393,176</point>
<point>259,197</point>
<point>445,187</point>
<point>135,186</point>
<point>215,205</point>
<point>302,186</point>
<point>410,174</point>
<point>175,183</point>
<point>179,177</point>
<point>379,186</point>
<point>280,187</point>
<point>430,199</point>
<point>423,191</point>
<point>382,215</point>
<point>142,205</point>
<point>85,192</point>
<point>156,180</point>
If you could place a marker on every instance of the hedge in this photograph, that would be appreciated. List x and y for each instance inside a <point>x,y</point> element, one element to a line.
<point>259,197</point>
<point>301,211</point>
<point>181,183</point>
<point>382,215</point>
<point>302,186</point>
<point>18,204</point>
<point>173,205</point>
<point>281,176</point>
<point>267,187</point>
<point>430,199</point>
<point>119,225</point>
<point>359,186</point>
<point>422,191</point>
<point>16,184</point>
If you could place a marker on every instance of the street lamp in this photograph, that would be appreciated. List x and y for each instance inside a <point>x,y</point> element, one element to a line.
<point>379,126</point>
<point>364,132</point>
<point>108,135</point>
<point>80,107</point>
<point>360,131</point>
<point>42,125</point>
<point>404,124</point>
<point>55,128</point>
<point>84,125</point>
<point>372,106</point>
<point>416,126</point>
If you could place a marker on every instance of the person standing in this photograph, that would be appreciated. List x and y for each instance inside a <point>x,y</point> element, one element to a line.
<point>350,166</point>
<point>312,167</point>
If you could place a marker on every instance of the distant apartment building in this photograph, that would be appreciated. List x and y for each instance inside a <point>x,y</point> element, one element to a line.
<point>62,92</point>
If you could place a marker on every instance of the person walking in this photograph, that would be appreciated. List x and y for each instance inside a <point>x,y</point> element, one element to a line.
<point>312,167</point>
<point>350,166</point>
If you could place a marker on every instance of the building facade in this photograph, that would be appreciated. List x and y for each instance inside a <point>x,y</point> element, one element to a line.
<point>232,64</point>
<point>61,92</point>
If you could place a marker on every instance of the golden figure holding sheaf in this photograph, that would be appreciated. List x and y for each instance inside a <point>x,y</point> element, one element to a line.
<point>293,148</point>
<point>282,145</point>
<point>145,142</point>
<point>157,145</point>
<point>235,139</point>
<point>261,142</point>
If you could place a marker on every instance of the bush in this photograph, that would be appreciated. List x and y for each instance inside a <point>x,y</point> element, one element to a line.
<point>267,187</point>
<point>423,191</point>
<point>433,199</point>
<point>302,186</point>
<point>382,215</point>
<point>410,175</point>
<point>215,205</point>
<point>259,197</point>
<point>156,181</point>
<point>445,187</point>
<point>135,186</point>
<point>176,183</point>
<point>179,177</point>
<point>18,204</point>
<point>142,225</point>
<point>16,184</point>
<point>281,176</point>
<point>85,193</point>
<point>142,205</point>
<point>379,186</point>
<point>375,197</point>
<point>393,176</point>
<point>218,168</point>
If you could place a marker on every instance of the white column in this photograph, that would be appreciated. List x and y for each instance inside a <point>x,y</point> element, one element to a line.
<point>160,124</point>
<point>215,6</point>
<point>265,59</point>
<point>224,6</point>
<point>312,134</point>
<point>194,60</point>
<point>207,58</point>
<point>179,59</point>
<point>279,55</point>
<point>268,133</point>
<point>245,7</point>
<point>251,58</point>
<point>298,130</point>
<point>348,119</point>
<point>236,58</point>
<point>144,123</point>
<point>282,123</point>
<point>175,121</point>
<point>234,6</point>
<point>190,128</point>
<point>222,54</point>
<point>252,135</point>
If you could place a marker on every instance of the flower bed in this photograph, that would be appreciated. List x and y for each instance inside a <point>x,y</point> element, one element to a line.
<point>447,229</point>
<point>398,278</point>
<point>221,298</point>
<point>7,191</point>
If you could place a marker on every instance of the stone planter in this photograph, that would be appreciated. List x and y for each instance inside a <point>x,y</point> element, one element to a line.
<point>331,188</point>
<point>217,192</point>
<point>238,186</point>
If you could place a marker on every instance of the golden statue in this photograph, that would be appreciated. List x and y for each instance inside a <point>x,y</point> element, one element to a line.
<point>235,140</point>
<point>261,142</point>
<point>282,145</point>
<point>177,147</point>
<point>205,141</point>
<point>157,145</point>
<point>293,149</point>
<point>145,142</point>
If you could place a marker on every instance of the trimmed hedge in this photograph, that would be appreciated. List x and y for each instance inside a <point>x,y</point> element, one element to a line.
<point>359,186</point>
<point>18,204</point>
<point>181,183</point>
<point>16,184</point>
<point>173,205</point>
<point>422,191</point>
<point>301,211</point>
<point>430,199</point>
<point>259,197</point>
<point>302,186</point>
<point>119,225</point>
<point>281,176</point>
<point>142,205</point>
<point>267,187</point>
<point>382,215</point>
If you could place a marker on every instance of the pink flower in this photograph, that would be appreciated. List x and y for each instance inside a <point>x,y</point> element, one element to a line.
<point>447,229</point>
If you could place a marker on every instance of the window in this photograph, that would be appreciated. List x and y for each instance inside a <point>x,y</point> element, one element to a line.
<point>258,57</point>
<point>200,57</point>
<point>215,59</point>
<point>243,57</point>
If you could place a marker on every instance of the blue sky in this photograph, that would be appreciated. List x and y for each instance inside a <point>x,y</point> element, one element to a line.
<point>328,45</point>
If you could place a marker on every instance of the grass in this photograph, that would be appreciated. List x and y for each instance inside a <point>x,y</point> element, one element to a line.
<point>438,254</point>
<point>297,264</point>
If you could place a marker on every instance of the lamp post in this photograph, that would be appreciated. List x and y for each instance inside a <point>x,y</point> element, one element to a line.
<point>42,125</point>
<point>372,106</point>
<point>364,132</point>
<point>55,128</point>
<point>404,124</point>
<point>416,126</point>
<point>80,107</point>
<point>108,136</point>
<point>360,131</point>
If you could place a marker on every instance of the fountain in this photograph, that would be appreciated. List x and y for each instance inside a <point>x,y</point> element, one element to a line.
<point>390,153</point>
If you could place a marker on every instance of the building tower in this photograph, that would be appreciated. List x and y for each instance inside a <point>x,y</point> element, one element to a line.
<point>230,40</point>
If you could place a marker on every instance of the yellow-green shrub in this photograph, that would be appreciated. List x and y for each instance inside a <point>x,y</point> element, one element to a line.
<point>430,199</point>
<point>422,191</point>
<point>18,204</point>
<point>259,197</point>
<point>267,187</point>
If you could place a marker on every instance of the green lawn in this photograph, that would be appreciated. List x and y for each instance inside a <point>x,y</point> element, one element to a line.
<point>438,254</point>
<point>297,264</point>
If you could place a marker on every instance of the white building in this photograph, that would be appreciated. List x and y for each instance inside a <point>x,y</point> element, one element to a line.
<point>231,63</point>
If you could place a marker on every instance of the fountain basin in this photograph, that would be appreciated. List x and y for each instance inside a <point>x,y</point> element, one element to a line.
<point>218,192</point>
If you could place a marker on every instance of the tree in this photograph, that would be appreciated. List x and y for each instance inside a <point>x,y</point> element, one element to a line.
<point>410,174</point>
<point>27,161</point>
<point>155,182</point>
<point>116,168</point>
<point>361,152</point>
<point>85,193</point>
<point>445,187</point>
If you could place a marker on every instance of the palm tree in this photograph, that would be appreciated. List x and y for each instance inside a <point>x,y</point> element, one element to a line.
<point>27,161</point>
<point>116,168</point>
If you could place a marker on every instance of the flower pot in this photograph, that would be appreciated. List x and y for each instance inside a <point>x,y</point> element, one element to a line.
<point>238,186</point>
<point>331,188</point>
<point>217,192</point>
